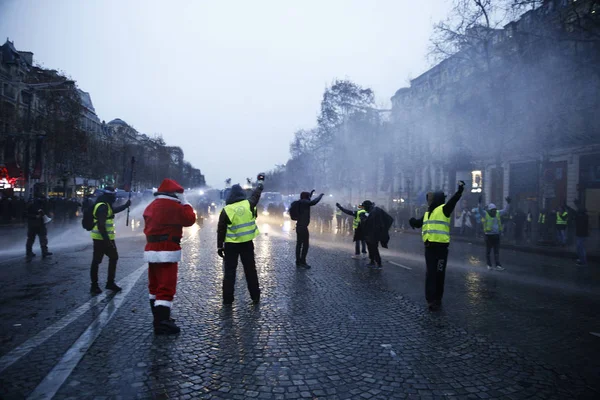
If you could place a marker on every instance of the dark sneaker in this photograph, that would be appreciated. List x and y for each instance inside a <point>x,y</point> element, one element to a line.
<point>112,286</point>
<point>30,255</point>
<point>166,327</point>
<point>433,306</point>
<point>46,254</point>
<point>95,289</point>
<point>305,265</point>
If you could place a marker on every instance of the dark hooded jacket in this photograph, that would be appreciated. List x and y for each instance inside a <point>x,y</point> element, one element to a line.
<point>236,195</point>
<point>438,200</point>
<point>305,203</point>
<point>376,225</point>
<point>581,221</point>
<point>34,215</point>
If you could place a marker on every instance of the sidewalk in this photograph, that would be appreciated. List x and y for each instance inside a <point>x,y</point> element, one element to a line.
<point>566,252</point>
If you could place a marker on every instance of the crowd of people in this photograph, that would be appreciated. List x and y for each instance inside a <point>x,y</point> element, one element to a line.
<point>169,212</point>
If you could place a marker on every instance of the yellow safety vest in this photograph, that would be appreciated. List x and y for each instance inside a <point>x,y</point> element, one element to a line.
<point>489,222</point>
<point>436,226</point>
<point>110,223</point>
<point>561,219</point>
<point>356,221</point>
<point>243,223</point>
<point>542,219</point>
<point>528,217</point>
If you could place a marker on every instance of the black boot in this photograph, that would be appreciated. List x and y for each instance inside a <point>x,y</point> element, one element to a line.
<point>30,254</point>
<point>155,320</point>
<point>46,253</point>
<point>166,326</point>
<point>112,286</point>
<point>95,289</point>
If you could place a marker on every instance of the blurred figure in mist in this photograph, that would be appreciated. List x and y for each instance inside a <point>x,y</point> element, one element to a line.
<point>562,216</point>
<point>492,228</point>
<point>36,226</point>
<point>359,237</point>
<point>519,224</point>
<point>582,230</point>
<point>528,226</point>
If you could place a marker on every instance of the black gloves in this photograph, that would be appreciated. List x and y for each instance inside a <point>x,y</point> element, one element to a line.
<point>220,251</point>
<point>508,200</point>
<point>412,222</point>
<point>128,203</point>
<point>338,205</point>
<point>461,186</point>
<point>260,178</point>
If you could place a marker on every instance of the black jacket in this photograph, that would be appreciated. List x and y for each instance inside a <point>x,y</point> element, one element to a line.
<point>236,195</point>
<point>304,210</point>
<point>36,211</point>
<point>376,225</point>
<point>438,200</point>
<point>582,228</point>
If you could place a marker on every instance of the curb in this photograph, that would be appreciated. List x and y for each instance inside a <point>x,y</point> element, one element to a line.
<point>525,249</point>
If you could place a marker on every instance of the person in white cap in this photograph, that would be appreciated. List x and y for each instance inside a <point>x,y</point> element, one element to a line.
<point>492,228</point>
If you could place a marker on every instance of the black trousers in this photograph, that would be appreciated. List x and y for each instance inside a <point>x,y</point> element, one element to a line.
<point>492,242</point>
<point>245,251</point>
<point>41,233</point>
<point>357,246</point>
<point>436,258</point>
<point>374,255</point>
<point>302,239</point>
<point>102,248</point>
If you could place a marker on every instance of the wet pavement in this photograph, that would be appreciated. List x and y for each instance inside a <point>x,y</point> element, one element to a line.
<point>337,331</point>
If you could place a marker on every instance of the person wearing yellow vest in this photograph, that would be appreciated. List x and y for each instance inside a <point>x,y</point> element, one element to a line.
<point>235,233</point>
<point>492,228</point>
<point>562,216</point>
<point>103,237</point>
<point>359,237</point>
<point>435,224</point>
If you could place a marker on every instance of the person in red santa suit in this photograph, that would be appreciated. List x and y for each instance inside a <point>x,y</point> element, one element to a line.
<point>164,220</point>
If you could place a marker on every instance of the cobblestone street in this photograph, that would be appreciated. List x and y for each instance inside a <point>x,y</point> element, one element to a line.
<point>337,331</point>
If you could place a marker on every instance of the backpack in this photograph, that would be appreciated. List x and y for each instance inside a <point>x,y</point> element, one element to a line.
<point>88,217</point>
<point>295,210</point>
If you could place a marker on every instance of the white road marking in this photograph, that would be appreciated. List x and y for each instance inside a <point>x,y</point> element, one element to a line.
<point>400,265</point>
<point>17,353</point>
<point>595,334</point>
<point>61,371</point>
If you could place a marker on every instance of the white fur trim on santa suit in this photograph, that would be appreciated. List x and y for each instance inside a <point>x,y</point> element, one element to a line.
<point>162,256</point>
<point>165,303</point>
<point>162,196</point>
<point>152,296</point>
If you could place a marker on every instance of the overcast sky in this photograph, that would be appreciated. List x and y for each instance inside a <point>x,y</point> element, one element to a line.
<point>228,81</point>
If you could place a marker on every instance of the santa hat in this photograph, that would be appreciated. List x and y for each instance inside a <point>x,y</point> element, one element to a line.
<point>170,186</point>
